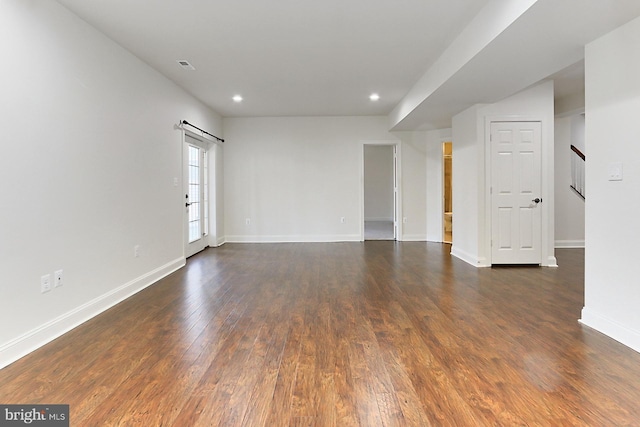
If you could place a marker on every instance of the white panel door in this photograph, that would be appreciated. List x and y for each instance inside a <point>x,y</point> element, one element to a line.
<point>196,192</point>
<point>516,226</point>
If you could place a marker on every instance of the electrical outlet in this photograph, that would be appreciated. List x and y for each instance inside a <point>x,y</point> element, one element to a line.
<point>136,251</point>
<point>45,283</point>
<point>404,220</point>
<point>57,279</point>
<point>247,221</point>
<point>343,220</point>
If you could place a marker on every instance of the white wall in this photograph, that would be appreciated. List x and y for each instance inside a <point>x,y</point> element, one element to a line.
<point>295,177</point>
<point>569,209</point>
<point>471,198</point>
<point>467,171</point>
<point>378,183</point>
<point>612,294</point>
<point>571,104</point>
<point>414,186</point>
<point>218,195</point>
<point>88,159</point>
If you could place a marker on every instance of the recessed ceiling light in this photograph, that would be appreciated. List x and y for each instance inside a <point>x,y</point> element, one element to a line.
<point>374,97</point>
<point>185,64</point>
<point>237,98</point>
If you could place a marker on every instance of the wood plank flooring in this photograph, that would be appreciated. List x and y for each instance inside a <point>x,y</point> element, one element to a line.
<point>340,334</point>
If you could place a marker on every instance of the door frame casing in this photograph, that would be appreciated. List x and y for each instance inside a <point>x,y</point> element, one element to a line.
<point>398,178</point>
<point>524,218</point>
<point>548,258</point>
<point>208,145</point>
<point>442,184</point>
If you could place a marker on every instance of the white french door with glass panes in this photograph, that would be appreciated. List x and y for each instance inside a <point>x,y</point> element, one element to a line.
<point>196,195</point>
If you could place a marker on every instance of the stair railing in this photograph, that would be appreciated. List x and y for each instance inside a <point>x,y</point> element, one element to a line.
<point>577,171</point>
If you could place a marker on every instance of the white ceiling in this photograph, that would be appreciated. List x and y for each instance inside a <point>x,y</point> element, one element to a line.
<point>285,57</point>
<point>310,57</point>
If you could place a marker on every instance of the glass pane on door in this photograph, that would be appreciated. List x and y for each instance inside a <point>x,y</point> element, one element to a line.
<point>195,229</point>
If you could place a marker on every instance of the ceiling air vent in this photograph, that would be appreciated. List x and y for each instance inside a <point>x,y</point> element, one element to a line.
<point>185,64</point>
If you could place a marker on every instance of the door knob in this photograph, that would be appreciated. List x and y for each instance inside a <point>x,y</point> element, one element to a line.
<point>537,200</point>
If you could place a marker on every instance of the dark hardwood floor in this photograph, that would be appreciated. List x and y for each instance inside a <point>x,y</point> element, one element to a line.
<point>370,334</point>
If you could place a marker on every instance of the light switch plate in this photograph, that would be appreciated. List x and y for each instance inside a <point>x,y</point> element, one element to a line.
<point>615,171</point>
<point>45,283</point>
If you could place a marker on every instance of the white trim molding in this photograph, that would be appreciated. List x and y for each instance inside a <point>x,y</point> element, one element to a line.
<point>468,258</point>
<point>547,255</point>
<point>328,238</point>
<point>573,244</point>
<point>611,328</point>
<point>414,238</point>
<point>386,219</point>
<point>398,170</point>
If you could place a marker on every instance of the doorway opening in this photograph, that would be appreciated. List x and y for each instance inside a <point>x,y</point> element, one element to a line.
<point>447,192</point>
<point>380,192</point>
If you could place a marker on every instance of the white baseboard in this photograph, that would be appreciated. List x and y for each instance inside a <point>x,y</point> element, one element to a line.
<point>294,238</point>
<point>569,244</point>
<point>468,258</point>
<point>611,328</point>
<point>483,262</point>
<point>47,332</point>
<point>414,238</point>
